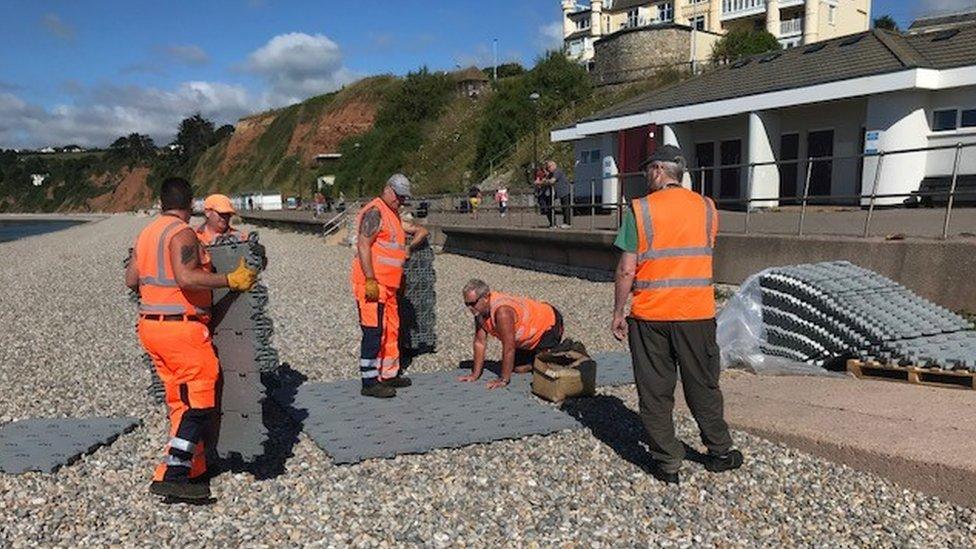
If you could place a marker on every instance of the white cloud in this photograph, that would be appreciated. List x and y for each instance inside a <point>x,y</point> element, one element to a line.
<point>550,36</point>
<point>298,65</point>
<point>54,25</point>
<point>108,112</point>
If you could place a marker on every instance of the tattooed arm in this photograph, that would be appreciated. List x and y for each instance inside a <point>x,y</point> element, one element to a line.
<point>369,227</point>
<point>184,252</point>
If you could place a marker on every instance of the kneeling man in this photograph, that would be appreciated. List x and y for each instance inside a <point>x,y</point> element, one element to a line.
<point>524,326</point>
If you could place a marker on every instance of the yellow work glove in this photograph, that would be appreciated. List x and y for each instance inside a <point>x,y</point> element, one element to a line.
<point>243,278</point>
<point>372,290</point>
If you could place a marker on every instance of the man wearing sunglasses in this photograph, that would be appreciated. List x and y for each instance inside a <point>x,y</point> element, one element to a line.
<point>524,326</point>
<point>377,272</point>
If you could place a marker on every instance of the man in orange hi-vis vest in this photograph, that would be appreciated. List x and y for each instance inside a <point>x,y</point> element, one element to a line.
<point>217,212</point>
<point>666,267</point>
<point>174,309</point>
<point>377,272</point>
<point>524,326</point>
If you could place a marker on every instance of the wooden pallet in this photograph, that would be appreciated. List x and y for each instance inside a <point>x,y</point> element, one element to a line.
<point>958,379</point>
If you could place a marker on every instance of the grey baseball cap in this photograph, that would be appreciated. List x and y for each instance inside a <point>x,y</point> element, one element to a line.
<point>400,184</point>
<point>665,153</point>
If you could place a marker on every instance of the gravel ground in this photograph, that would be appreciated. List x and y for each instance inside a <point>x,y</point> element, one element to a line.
<point>68,348</point>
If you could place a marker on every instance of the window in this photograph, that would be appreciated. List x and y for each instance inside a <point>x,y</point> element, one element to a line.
<point>697,22</point>
<point>968,119</point>
<point>583,24</point>
<point>633,17</point>
<point>944,120</point>
<point>831,14</point>
<point>595,157</point>
<point>665,11</point>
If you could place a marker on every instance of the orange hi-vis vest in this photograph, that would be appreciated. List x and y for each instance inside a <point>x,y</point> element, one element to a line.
<point>532,318</point>
<point>159,294</point>
<point>389,250</point>
<point>676,231</point>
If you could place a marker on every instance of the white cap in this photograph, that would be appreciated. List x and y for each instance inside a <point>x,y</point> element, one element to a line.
<point>400,184</point>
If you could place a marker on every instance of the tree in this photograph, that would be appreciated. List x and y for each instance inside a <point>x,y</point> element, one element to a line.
<point>743,43</point>
<point>505,70</point>
<point>134,146</point>
<point>222,132</point>
<point>196,133</point>
<point>886,22</point>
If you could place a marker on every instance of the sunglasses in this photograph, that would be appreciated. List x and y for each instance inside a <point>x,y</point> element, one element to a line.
<point>475,302</point>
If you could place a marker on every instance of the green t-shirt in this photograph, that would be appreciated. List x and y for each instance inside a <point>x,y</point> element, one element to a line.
<point>627,234</point>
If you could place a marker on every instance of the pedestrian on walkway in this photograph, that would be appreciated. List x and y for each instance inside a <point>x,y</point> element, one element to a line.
<point>543,195</point>
<point>501,197</point>
<point>666,242</point>
<point>561,190</point>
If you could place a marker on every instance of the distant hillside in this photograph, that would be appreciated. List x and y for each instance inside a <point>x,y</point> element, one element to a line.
<point>418,124</point>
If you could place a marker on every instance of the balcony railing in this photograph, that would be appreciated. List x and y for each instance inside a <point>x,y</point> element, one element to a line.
<point>741,8</point>
<point>791,27</point>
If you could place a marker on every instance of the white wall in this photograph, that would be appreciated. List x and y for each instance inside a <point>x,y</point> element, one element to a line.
<point>939,163</point>
<point>589,174</point>
<point>903,118</point>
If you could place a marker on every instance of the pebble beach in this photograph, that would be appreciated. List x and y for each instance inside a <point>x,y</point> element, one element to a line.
<point>68,349</point>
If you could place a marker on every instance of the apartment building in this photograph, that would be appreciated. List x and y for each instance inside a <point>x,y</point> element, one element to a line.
<point>793,22</point>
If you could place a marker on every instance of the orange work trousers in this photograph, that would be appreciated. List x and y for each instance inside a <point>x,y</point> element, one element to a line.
<point>379,352</point>
<point>185,360</point>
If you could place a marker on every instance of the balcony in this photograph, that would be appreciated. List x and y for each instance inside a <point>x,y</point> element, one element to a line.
<point>791,27</point>
<point>733,9</point>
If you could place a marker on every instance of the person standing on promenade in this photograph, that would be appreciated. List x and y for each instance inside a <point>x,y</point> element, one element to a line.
<point>524,326</point>
<point>501,197</point>
<point>174,309</point>
<point>377,273</point>
<point>666,266</point>
<point>560,188</point>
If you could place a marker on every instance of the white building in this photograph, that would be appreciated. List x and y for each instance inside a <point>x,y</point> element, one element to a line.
<point>872,91</point>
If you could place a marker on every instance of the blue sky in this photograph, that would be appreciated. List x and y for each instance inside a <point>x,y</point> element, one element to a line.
<point>87,72</point>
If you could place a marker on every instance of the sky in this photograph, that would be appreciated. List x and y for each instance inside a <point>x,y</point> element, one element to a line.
<point>89,72</point>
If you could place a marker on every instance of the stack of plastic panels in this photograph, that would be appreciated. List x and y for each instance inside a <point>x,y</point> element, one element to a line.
<point>242,337</point>
<point>418,306</point>
<point>818,312</point>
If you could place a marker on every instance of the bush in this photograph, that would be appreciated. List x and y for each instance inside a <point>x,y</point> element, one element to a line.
<point>511,115</point>
<point>738,44</point>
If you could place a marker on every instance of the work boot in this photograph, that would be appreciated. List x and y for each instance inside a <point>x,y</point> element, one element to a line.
<point>667,477</point>
<point>724,462</point>
<point>378,390</point>
<point>191,491</point>
<point>397,382</point>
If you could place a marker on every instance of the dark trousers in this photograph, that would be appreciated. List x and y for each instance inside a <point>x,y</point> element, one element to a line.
<point>567,208</point>
<point>659,351</point>
<point>545,206</point>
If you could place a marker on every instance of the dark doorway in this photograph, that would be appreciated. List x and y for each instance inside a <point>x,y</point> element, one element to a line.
<point>729,178</point>
<point>789,149</point>
<point>820,144</point>
<point>704,161</point>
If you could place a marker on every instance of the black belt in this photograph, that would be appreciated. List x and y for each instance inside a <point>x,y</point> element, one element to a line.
<point>175,318</point>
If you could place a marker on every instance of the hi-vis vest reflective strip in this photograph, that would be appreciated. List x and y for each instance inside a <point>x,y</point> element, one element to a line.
<point>532,318</point>
<point>676,236</point>
<point>159,292</point>
<point>389,250</point>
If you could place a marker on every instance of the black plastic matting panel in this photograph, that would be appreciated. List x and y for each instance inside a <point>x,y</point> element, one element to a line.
<point>46,445</point>
<point>613,368</point>
<point>436,412</point>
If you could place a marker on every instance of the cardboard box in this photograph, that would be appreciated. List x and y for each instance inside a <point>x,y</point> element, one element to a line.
<point>556,380</point>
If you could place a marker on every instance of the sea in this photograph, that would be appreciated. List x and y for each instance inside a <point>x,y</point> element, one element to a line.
<point>12,230</point>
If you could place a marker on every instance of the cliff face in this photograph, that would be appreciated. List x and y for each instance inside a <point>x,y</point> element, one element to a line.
<point>276,150</point>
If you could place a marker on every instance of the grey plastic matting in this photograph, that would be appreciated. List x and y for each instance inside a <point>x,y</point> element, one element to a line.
<point>46,445</point>
<point>436,412</point>
<point>613,368</point>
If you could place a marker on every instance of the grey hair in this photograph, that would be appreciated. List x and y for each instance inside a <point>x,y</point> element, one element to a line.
<point>674,170</point>
<point>479,287</point>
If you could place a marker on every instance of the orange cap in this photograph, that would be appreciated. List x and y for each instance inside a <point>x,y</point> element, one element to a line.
<point>218,203</point>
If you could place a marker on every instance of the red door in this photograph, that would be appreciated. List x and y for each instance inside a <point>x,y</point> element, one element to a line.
<point>633,146</point>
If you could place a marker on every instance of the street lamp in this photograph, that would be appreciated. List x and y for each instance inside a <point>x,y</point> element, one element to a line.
<point>534,97</point>
<point>355,147</point>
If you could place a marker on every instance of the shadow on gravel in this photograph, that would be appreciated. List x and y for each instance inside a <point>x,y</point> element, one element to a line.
<point>619,427</point>
<point>283,422</point>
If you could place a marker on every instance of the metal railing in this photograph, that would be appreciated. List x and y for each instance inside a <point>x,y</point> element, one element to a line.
<point>791,27</point>
<point>731,8</point>
<point>521,205</point>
